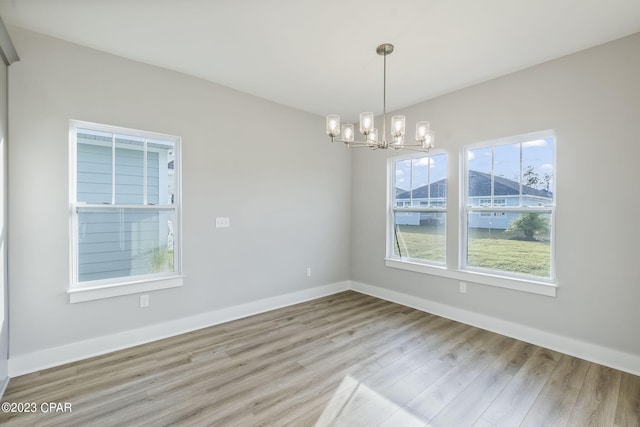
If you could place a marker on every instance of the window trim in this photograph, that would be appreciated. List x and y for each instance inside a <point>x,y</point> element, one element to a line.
<point>465,209</point>
<point>106,288</point>
<point>483,278</point>
<point>392,209</point>
<point>452,269</point>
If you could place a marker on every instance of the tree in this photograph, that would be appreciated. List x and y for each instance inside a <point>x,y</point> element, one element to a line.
<point>532,179</point>
<point>531,224</point>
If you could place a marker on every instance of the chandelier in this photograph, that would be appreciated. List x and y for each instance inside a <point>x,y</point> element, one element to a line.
<point>374,140</point>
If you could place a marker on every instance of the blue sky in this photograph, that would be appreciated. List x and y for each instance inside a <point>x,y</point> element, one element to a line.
<point>538,153</point>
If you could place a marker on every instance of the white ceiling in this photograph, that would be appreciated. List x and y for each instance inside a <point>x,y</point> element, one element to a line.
<point>319,56</point>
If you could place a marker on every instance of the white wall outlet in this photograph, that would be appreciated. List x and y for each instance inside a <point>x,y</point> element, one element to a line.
<point>223,223</point>
<point>308,271</point>
<point>463,287</point>
<point>144,300</point>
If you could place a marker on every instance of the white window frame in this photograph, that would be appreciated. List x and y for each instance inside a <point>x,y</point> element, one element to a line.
<point>456,251</point>
<point>106,288</point>
<point>391,209</point>
<point>466,209</point>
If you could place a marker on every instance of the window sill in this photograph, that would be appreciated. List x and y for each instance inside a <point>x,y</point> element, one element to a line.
<point>530,286</point>
<point>113,290</point>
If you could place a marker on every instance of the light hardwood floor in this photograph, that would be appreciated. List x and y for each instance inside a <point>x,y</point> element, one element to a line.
<point>343,360</point>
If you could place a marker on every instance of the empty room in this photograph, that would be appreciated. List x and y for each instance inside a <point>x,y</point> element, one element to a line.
<point>319,213</point>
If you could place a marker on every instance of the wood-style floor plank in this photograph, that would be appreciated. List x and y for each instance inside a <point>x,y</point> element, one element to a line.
<point>558,397</point>
<point>514,402</point>
<point>628,411</point>
<point>598,397</point>
<point>343,360</point>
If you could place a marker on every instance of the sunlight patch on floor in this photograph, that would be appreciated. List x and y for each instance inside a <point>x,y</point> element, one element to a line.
<point>354,403</point>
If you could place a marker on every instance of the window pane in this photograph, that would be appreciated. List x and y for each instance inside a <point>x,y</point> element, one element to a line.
<point>506,170</point>
<point>419,181</point>
<point>160,172</point>
<point>402,171</point>
<point>429,181</point>
<point>124,242</point>
<point>438,177</point>
<point>479,166</point>
<point>129,170</point>
<point>537,172</point>
<point>420,235</point>
<point>510,242</point>
<point>94,166</point>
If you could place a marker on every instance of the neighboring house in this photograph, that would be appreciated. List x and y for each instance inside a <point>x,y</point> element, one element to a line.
<point>119,243</point>
<point>506,192</point>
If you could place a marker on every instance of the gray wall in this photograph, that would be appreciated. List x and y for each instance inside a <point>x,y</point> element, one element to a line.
<point>592,100</point>
<point>267,167</point>
<point>287,191</point>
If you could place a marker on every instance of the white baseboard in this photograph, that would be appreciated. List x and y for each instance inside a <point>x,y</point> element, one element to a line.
<point>50,357</point>
<point>3,386</point>
<point>584,350</point>
<point>43,359</point>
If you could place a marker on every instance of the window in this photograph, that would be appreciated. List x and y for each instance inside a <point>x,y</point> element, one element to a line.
<point>509,206</point>
<point>125,208</point>
<point>418,200</point>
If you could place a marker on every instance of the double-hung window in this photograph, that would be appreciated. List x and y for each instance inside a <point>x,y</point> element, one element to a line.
<point>509,206</point>
<point>125,211</point>
<point>417,211</point>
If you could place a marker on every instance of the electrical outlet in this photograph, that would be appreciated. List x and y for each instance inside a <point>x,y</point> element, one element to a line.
<point>308,271</point>
<point>223,223</point>
<point>144,301</point>
<point>463,287</point>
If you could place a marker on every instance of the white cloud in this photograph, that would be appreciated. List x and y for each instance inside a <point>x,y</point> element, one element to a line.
<point>547,167</point>
<point>470,155</point>
<point>427,161</point>
<point>399,172</point>
<point>535,143</point>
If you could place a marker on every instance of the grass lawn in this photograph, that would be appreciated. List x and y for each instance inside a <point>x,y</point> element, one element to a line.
<point>421,242</point>
<point>495,250</point>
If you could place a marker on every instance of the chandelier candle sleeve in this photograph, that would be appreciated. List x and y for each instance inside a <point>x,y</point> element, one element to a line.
<point>428,140</point>
<point>373,135</point>
<point>347,132</point>
<point>333,125</point>
<point>397,126</point>
<point>366,123</point>
<point>422,131</point>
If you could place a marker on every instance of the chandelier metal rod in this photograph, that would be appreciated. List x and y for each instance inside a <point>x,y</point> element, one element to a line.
<point>384,98</point>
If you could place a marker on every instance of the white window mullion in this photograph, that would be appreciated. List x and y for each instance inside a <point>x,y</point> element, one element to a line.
<point>521,177</point>
<point>113,168</point>
<point>411,183</point>
<point>144,174</point>
<point>428,179</point>
<point>493,179</point>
